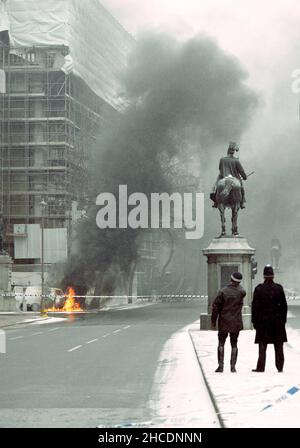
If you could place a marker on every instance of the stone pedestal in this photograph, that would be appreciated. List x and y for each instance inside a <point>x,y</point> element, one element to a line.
<point>224,256</point>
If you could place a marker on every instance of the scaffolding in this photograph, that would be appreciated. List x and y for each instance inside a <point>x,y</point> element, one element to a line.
<point>49,121</point>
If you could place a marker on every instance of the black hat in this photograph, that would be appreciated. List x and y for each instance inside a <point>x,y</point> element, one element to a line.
<point>268,271</point>
<point>237,277</point>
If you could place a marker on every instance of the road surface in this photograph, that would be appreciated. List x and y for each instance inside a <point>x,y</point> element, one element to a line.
<point>90,371</point>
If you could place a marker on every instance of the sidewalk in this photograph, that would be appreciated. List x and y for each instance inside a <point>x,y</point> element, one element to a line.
<point>179,397</point>
<point>249,399</point>
<point>9,319</point>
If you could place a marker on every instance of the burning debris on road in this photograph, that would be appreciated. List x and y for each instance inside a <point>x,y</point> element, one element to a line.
<point>69,306</point>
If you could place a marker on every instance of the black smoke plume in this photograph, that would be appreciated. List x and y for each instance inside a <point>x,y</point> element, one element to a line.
<point>175,92</point>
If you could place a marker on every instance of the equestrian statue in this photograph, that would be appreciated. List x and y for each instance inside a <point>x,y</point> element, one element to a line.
<point>228,191</point>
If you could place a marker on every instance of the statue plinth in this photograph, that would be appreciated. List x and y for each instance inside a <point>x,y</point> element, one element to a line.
<point>224,256</point>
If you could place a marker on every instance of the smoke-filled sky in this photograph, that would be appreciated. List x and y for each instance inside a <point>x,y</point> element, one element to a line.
<point>260,32</point>
<point>195,95</point>
<point>264,36</point>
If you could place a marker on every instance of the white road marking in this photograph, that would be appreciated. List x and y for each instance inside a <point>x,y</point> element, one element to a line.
<point>48,320</point>
<point>97,339</point>
<point>53,329</point>
<point>17,337</point>
<point>39,332</point>
<point>127,326</point>
<point>74,348</point>
<point>93,340</point>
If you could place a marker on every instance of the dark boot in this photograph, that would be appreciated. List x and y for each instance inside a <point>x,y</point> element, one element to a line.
<point>234,353</point>
<point>220,359</point>
<point>262,348</point>
<point>279,356</point>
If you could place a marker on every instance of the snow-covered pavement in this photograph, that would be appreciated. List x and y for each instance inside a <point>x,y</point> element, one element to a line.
<point>179,396</point>
<point>246,398</point>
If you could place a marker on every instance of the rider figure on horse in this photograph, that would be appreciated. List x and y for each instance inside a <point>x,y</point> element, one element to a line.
<point>230,166</point>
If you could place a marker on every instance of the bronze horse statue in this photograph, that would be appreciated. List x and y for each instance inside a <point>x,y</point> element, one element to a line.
<point>229,195</point>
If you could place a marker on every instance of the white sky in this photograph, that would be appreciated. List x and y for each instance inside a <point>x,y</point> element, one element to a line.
<point>260,32</point>
<point>263,34</point>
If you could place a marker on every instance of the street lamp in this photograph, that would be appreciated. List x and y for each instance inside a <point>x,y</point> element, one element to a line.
<point>43,205</point>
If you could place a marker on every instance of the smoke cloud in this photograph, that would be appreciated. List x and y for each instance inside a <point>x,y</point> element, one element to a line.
<point>178,95</point>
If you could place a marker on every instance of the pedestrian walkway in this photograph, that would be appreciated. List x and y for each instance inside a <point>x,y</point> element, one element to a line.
<point>179,396</point>
<point>10,319</point>
<point>246,398</point>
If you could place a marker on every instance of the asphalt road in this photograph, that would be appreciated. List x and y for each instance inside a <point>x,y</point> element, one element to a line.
<point>96,370</point>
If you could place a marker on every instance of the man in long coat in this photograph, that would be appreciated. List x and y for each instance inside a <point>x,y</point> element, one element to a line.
<point>269,311</point>
<point>227,308</point>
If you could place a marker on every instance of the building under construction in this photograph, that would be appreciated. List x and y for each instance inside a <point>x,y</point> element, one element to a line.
<point>59,70</point>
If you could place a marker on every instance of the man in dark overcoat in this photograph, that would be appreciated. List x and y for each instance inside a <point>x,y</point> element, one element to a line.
<point>227,308</point>
<point>269,311</point>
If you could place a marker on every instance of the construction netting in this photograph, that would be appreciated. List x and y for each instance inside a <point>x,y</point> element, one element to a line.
<point>98,45</point>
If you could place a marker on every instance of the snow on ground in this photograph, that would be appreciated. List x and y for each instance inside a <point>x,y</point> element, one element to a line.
<point>179,397</point>
<point>250,399</point>
<point>45,320</point>
<point>125,307</point>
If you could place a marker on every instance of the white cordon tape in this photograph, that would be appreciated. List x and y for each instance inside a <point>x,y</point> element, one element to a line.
<point>158,296</point>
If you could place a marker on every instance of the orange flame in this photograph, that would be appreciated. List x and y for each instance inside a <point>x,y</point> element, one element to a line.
<point>69,305</point>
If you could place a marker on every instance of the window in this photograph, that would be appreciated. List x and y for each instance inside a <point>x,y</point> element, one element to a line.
<point>17,83</point>
<point>17,108</point>
<point>36,83</point>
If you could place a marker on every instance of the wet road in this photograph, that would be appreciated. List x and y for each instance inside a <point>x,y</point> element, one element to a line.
<point>91,371</point>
